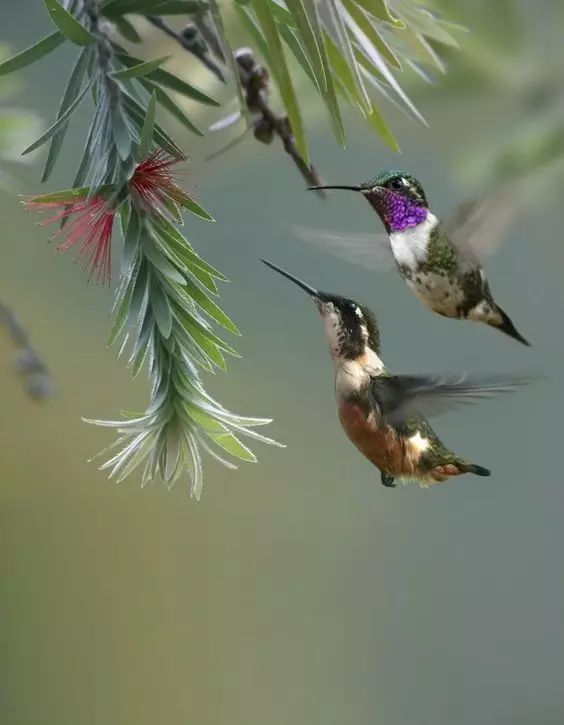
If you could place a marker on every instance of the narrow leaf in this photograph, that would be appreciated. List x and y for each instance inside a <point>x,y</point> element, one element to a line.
<point>52,130</point>
<point>127,30</point>
<point>330,97</point>
<point>233,445</point>
<point>230,59</point>
<point>375,57</point>
<point>210,307</point>
<point>281,73</point>
<point>31,55</point>
<point>141,69</point>
<point>68,24</point>
<point>117,8</point>
<point>69,96</point>
<point>166,234</point>
<point>377,121</point>
<point>363,21</point>
<point>188,203</point>
<point>164,78</point>
<point>131,241</point>
<point>304,24</point>
<point>137,112</point>
<point>120,133</point>
<point>161,308</point>
<point>166,102</point>
<point>146,139</point>
<point>336,11</point>
<point>380,9</point>
<point>290,37</point>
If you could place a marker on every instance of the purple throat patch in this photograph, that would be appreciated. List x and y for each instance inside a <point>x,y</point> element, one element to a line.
<point>398,212</point>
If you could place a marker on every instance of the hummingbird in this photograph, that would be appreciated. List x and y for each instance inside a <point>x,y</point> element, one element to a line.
<point>384,414</point>
<point>442,269</point>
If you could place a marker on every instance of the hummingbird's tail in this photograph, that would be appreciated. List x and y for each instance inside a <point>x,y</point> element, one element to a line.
<point>475,469</point>
<point>506,325</point>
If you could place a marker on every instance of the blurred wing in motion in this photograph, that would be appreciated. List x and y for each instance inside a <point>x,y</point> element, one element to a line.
<point>402,398</point>
<point>480,226</point>
<point>371,251</point>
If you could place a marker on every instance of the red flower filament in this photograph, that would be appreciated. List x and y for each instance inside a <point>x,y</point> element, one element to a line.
<point>155,183</point>
<point>90,223</point>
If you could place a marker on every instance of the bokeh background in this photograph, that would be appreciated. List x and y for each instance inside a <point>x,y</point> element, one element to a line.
<point>298,590</point>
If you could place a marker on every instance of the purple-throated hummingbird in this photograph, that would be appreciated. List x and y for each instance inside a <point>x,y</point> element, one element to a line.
<point>440,266</point>
<point>383,414</point>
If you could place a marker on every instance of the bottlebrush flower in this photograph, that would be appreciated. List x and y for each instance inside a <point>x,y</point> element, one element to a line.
<point>155,182</point>
<point>89,223</point>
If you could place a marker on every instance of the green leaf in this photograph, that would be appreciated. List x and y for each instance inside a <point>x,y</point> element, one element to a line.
<point>230,59</point>
<point>52,130</point>
<point>188,203</point>
<point>127,30</point>
<point>161,308</point>
<point>146,139</point>
<point>164,78</point>
<point>167,234</point>
<point>120,132</point>
<point>330,97</point>
<point>280,70</point>
<point>346,48</point>
<point>131,241</point>
<point>141,69</point>
<point>71,92</point>
<point>117,8</point>
<point>368,28</point>
<point>380,9</point>
<point>124,306</point>
<point>292,40</point>
<point>341,68</point>
<point>304,24</point>
<point>166,102</point>
<point>210,307</point>
<point>210,352</point>
<point>69,195</point>
<point>137,112</point>
<point>377,121</point>
<point>233,445</point>
<point>159,260</point>
<point>68,24</point>
<point>31,55</point>
<point>204,420</point>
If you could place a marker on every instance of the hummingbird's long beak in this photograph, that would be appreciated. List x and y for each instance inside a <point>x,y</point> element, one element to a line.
<point>310,290</point>
<point>347,188</point>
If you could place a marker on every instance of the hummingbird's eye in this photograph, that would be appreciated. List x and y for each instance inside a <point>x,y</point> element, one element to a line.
<point>396,183</point>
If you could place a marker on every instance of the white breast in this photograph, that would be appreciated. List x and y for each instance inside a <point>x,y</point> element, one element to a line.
<point>410,246</point>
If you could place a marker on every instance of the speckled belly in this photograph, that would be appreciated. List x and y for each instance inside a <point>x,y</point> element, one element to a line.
<point>440,293</point>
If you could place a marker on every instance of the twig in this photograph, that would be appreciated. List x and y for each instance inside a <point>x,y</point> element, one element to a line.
<point>29,365</point>
<point>191,42</point>
<point>255,80</point>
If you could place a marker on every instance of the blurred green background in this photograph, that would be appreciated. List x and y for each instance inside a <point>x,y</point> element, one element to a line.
<point>299,590</point>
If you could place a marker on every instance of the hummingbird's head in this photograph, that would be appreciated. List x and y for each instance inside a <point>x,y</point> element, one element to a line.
<point>397,197</point>
<point>351,328</point>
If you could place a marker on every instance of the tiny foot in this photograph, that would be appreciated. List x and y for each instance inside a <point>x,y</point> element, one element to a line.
<point>387,480</point>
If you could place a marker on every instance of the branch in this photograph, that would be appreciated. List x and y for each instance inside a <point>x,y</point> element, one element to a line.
<point>255,80</point>
<point>39,382</point>
<point>190,41</point>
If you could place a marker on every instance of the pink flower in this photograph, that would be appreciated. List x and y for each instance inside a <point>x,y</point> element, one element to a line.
<point>155,182</point>
<point>89,223</point>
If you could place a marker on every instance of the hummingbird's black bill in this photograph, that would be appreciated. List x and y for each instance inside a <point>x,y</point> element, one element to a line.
<point>322,188</point>
<point>310,290</point>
